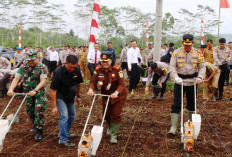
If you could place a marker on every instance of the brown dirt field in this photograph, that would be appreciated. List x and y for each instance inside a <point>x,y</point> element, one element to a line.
<point>142,134</point>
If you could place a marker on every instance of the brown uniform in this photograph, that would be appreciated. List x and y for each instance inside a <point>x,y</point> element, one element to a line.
<point>212,85</point>
<point>112,80</point>
<point>208,55</point>
<point>83,64</point>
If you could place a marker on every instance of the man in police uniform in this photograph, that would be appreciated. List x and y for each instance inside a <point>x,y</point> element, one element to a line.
<point>34,75</point>
<point>19,56</point>
<point>63,54</point>
<point>110,77</point>
<point>186,65</point>
<point>221,61</point>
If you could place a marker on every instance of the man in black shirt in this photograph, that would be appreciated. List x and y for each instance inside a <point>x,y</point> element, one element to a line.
<point>64,87</point>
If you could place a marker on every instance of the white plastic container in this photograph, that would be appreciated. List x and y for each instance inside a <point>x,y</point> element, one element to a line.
<point>96,133</point>
<point>196,119</point>
<point>4,126</point>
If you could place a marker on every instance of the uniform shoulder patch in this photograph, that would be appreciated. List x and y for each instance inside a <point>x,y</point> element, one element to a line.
<point>120,73</point>
<point>174,54</point>
<point>116,67</point>
<point>98,67</point>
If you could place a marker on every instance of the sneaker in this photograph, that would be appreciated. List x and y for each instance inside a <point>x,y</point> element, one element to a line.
<point>33,129</point>
<point>67,144</point>
<point>132,92</point>
<point>154,96</point>
<point>39,135</point>
<point>72,136</point>
<point>161,99</point>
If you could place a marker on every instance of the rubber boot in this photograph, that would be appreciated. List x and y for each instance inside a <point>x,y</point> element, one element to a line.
<point>39,135</point>
<point>108,132</point>
<point>174,120</point>
<point>114,133</point>
<point>190,115</point>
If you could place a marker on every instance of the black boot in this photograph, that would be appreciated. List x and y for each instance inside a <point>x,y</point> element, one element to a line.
<point>156,90</point>
<point>39,135</point>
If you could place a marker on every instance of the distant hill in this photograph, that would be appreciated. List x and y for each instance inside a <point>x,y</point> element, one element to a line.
<point>227,36</point>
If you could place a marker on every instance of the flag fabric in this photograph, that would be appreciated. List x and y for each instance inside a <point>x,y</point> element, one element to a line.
<point>94,25</point>
<point>224,4</point>
<point>202,32</point>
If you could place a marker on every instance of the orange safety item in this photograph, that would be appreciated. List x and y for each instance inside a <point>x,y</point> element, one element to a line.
<point>83,154</point>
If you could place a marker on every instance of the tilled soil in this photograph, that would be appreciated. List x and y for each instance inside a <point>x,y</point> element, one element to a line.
<point>142,134</point>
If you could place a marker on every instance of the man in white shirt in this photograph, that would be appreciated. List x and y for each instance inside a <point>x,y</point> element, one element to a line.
<point>133,55</point>
<point>53,57</point>
<point>93,58</point>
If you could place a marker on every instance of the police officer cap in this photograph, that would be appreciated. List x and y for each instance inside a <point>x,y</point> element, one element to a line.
<point>153,65</point>
<point>31,55</point>
<point>106,56</point>
<point>187,39</point>
<point>222,40</point>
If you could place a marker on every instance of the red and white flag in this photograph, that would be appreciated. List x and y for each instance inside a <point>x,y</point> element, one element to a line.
<point>202,32</point>
<point>225,4</point>
<point>20,37</point>
<point>147,34</point>
<point>94,24</point>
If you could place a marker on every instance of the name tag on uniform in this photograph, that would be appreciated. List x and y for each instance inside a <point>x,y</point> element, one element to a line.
<point>108,86</point>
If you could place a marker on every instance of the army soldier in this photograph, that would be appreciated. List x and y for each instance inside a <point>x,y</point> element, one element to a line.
<point>34,75</point>
<point>84,62</point>
<point>159,70</point>
<point>133,54</point>
<point>4,63</point>
<point>186,64</point>
<point>221,61</point>
<point>110,77</point>
<point>19,56</point>
<point>210,81</point>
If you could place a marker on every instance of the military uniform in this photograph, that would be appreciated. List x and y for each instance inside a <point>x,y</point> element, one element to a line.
<point>185,66</point>
<point>210,87</point>
<point>221,59</point>
<point>83,63</point>
<point>111,80</point>
<point>37,104</point>
<point>4,63</point>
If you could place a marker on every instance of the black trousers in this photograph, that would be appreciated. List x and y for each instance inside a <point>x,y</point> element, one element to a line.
<point>124,66</point>
<point>227,76</point>
<point>134,76</point>
<point>91,67</point>
<point>221,83</point>
<point>155,80</point>
<point>189,90</point>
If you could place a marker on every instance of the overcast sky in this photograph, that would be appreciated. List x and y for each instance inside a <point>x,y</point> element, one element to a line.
<point>172,6</point>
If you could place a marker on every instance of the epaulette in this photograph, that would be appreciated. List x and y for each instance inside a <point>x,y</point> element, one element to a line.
<point>98,67</point>
<point>116,67</point>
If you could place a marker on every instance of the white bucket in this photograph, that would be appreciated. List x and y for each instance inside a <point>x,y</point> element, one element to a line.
<point>3,131</point>
<point>96,133</point>
<point>196,119</point>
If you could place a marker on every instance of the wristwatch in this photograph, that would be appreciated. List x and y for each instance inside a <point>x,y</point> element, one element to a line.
<point>35,91</point>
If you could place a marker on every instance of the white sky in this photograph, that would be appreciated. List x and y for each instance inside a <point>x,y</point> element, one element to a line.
<point>172,6</point>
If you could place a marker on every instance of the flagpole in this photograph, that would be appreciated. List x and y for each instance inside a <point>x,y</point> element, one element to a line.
<point>219,16</point>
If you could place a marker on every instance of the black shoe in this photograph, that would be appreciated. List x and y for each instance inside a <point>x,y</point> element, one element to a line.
<point>39,135</point>
<point>221,98</point>
<point>154,96</point>
<point>2,95</point>
<point>67,144</point>
<point>33,129</point>
<point>226,84</point>
<point>161,99</point>
<point>72,136</point>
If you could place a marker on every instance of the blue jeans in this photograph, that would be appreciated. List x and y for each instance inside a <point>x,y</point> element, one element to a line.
<point>67,115</point>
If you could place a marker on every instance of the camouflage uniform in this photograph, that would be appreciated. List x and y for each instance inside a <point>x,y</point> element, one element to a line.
<point>37,104</point>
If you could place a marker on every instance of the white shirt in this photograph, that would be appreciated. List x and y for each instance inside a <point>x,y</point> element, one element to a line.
<point>91,56</point>
<point>132,56</point>
<point>53,55</point>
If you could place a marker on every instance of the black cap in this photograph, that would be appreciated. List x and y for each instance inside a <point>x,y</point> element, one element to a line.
<point>153,65</point>
<point>188,39</point>
<point>222,40</point>
<point>106,56</point>
<point>203,46</point>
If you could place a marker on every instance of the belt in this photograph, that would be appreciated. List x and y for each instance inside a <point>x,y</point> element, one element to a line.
<point>134,63</point>
<point>188,76</point>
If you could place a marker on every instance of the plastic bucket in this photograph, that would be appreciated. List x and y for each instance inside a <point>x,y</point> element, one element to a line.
<point>96,133</point>
<point>196,119</point>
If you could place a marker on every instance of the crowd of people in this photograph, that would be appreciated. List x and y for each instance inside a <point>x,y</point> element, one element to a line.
<point>69,67</point>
